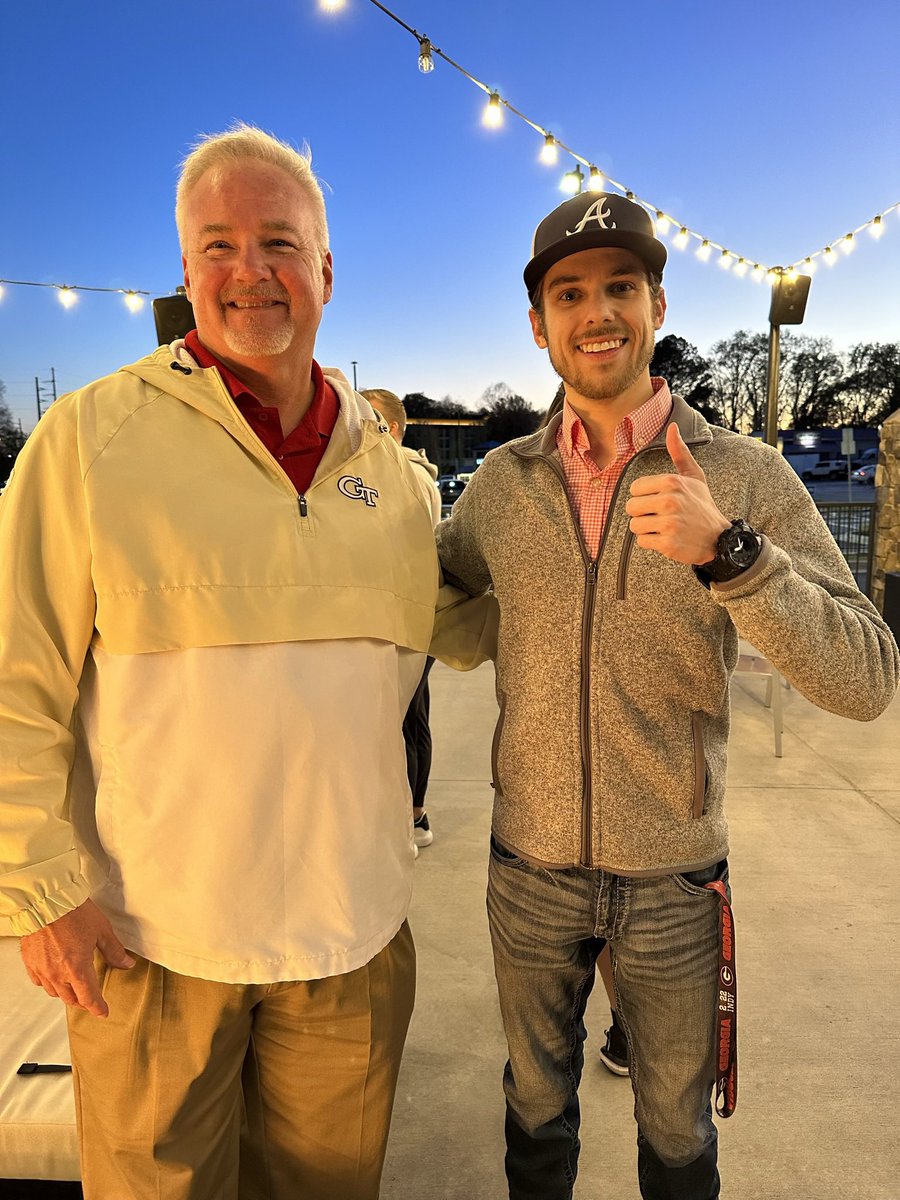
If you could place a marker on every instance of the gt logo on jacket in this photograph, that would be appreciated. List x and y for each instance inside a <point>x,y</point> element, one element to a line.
<point>353,486</point>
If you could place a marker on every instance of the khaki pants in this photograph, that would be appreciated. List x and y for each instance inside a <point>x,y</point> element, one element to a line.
<point>196,1090</point>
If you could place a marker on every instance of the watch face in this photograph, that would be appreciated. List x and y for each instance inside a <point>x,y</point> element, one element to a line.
<point>743,547</point>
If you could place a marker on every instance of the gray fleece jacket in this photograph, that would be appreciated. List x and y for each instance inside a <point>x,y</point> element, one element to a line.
<point>612,674</point>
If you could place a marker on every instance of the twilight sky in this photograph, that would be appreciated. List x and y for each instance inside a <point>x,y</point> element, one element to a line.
<point>770,128</point>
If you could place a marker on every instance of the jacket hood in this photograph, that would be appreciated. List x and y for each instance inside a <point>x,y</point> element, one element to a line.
<point>420,459</point>
<point>173,370</point>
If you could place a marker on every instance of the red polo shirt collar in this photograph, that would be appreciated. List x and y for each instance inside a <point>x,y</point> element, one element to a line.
<point>298,454</point>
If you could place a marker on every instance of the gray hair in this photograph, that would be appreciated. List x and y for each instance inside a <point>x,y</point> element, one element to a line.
<point>242,142</point>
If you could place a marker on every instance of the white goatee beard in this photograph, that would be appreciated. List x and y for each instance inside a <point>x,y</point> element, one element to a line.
<point>258,343</point>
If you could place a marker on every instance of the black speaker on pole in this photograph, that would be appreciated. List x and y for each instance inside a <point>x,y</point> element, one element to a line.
<point>892,602</point>
<point>174,317</point>
<point>789,296</point>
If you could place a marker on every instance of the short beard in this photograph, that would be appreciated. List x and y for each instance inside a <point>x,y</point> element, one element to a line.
<point>259,343</point>
<point>613,386</point>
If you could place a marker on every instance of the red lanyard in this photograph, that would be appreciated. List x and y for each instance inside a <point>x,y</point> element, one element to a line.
<point>726,1009</point>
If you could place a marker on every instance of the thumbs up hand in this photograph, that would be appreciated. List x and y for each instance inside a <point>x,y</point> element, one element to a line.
<point>675,515</point>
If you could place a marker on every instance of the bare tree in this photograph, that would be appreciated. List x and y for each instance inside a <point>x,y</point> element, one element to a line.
<point>506,414</point>
<point>739,380</point>
<point>811,369</point>
<point>870,388</point>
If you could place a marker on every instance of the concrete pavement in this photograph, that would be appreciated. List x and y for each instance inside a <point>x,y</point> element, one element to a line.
<point>814,869</point>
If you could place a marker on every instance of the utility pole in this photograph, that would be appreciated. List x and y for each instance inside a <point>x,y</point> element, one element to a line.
<point>42,387</point>
<point>353,365</point>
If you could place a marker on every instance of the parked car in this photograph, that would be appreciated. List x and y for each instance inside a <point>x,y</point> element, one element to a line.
<point>451,489</point>
<point>865,475</point>
<point>827,468</point>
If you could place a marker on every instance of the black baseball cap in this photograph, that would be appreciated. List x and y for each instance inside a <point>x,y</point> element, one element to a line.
<point>588,220</point>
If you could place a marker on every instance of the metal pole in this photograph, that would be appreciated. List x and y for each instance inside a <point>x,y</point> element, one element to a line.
<point>353,364</point>
<point>772,394</point>
<point>53,382</point>
<point>37,392</point>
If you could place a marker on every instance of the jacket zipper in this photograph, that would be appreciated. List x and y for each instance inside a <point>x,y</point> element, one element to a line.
<point>304,509</point>
<point>592,567</point>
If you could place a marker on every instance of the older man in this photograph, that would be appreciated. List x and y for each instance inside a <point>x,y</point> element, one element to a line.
<point>628,544</point>
<point>218,589</point>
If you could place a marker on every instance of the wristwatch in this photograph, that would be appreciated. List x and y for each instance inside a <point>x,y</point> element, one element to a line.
<point>737,549</point>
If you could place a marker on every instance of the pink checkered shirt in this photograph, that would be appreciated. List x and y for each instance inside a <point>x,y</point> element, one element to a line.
<point>590,489</point>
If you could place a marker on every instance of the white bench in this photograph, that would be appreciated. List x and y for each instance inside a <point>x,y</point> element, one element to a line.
<point>38,1139</point>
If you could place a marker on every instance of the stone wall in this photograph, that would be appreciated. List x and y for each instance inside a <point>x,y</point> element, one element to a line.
<point>887,516</point>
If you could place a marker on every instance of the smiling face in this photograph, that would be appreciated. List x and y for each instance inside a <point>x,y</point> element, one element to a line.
<point>254,270</point>
<point>597,321</point>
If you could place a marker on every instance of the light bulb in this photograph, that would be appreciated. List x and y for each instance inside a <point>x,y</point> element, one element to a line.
<point>725,260</point>
<point>681,238</point>
<point>877,227</point>
<point>492,116</point>
<point>67,297</point>
<point>847,243</point>
<point>596,181</point>
<point>829,255</point>
<point>573,181</point>
<point>549,152</point>
<point>331,5</point>
<point>662,224</point>
<point>809,267</point>
<point>133,302</point>
<point>757,274</point>
<point>426,62</point>
<point>741,266</point>
<point>704,250</point>
<point>1,291</point>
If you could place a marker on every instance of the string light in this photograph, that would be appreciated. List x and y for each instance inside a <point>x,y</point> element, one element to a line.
<point>492,116</point>
<point>596,183</point>
<point>573,181</point>
<point>426,61</point>
<point>662,224</point>
<point>847,244</point>
<point>67,294</point>
<point>757,274</point>
<point>809,266</point>
<point>741,267</point>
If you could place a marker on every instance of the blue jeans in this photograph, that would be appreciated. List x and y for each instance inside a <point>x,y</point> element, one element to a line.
<point>547,928</point>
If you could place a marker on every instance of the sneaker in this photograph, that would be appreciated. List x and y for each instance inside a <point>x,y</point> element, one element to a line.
<point>614,1055</point>
<point>422,834</point>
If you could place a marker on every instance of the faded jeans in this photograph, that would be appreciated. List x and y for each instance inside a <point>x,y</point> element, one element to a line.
<point>547,928</point>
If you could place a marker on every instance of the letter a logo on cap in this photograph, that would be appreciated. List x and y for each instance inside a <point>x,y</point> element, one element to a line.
<point>594,213</point>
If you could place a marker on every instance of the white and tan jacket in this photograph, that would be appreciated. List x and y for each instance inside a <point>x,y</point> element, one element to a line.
<point>203,677</point>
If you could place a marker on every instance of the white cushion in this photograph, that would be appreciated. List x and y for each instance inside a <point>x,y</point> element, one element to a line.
<point>38,1139</point>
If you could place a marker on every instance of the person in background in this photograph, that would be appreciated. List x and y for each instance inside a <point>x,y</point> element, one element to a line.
<point>416,727</point>
<point>628,543</point>
<point>218,589</point>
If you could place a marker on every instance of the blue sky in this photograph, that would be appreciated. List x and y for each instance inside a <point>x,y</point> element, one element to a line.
<point>771,128</point>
